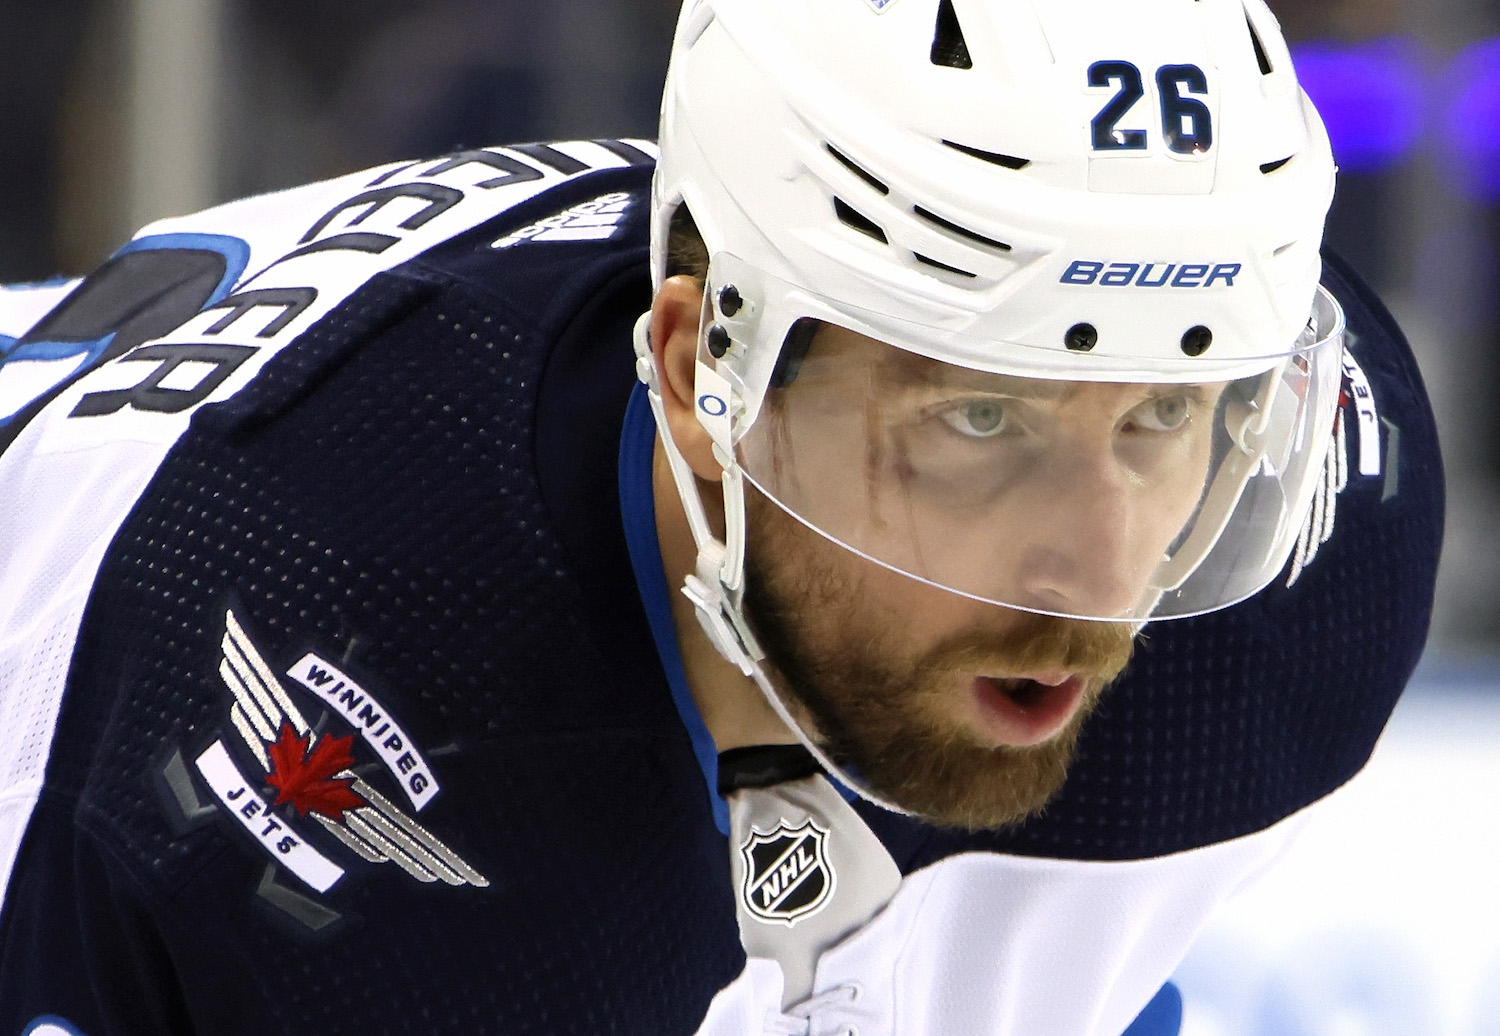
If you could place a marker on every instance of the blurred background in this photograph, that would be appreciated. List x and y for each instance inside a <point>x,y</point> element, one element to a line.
<point>118,112</point>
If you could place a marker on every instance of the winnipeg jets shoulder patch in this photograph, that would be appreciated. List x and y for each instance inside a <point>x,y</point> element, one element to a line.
<point>290,778</point>
<point>1357,411</point>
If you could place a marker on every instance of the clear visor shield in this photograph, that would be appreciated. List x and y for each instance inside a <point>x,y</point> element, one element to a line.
<point>1119,498</point>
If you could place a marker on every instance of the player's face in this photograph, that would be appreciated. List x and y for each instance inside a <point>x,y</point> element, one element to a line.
<point>961,711</point>
<point>1057,496</point>
<point>1053,496</point>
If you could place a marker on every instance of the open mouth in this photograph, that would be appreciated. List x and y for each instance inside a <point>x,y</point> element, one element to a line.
<point>1025,693</point>
<point>1021,711</point>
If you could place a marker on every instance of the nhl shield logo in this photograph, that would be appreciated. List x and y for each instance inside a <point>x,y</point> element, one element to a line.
<point>787,873</point>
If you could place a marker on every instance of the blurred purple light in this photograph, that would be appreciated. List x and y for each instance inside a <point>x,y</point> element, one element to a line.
<point>1370,96</point>
<point>1473,121</point>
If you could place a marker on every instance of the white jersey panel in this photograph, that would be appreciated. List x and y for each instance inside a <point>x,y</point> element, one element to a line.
<point>983,944</point>
<point>22,305</point>
<point>75,472</point>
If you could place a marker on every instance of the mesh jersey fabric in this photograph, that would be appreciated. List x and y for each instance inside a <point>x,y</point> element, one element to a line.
<point>423,490</point>
<point>374,496</point>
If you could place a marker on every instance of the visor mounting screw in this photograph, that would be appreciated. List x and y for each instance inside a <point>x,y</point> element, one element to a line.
<point>1196,340</point>
<point>718,341</point>
<point>1081,338</point>
<point>730,300</point>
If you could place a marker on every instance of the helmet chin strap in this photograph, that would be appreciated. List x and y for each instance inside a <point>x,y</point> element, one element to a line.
<point>716,585</point>
<point>716,588</point>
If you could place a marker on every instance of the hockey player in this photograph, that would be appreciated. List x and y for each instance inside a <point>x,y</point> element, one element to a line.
<point>387,646</point>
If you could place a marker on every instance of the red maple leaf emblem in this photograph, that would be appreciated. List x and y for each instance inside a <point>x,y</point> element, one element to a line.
<point>306,780</point>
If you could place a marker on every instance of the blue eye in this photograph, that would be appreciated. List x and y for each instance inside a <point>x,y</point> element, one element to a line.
<point>978,419</point>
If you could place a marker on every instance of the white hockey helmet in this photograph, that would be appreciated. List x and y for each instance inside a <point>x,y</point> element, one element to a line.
<point>941,232</point>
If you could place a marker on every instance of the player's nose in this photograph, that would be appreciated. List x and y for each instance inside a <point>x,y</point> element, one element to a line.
<point>1078,555</point>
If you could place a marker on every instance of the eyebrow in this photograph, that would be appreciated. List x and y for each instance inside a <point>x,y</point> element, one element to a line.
<point>910,370</point>
<point>915,371</point>
<point>1004,385</point>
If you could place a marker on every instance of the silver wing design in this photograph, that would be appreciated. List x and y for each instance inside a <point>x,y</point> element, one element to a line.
<point>380,831</point>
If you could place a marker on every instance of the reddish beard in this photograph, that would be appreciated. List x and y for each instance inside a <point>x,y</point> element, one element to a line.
<point>888,715</point>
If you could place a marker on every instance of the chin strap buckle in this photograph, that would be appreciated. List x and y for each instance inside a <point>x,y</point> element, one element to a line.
<point>718,611</point>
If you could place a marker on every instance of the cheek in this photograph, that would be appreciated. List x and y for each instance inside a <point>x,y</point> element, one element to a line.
<point>808,458</point>
<point>1170,484</point>
<point>835,603</point>
<point>1181,493</point>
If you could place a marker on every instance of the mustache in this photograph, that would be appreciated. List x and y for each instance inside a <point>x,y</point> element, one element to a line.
<point>1098,651</point>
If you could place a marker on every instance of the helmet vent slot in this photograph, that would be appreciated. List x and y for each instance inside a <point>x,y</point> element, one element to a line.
<point>1271,167</point>
<point>863,224</point>
<point>1261,57</point>
<point>942,266</point>
<point>934,218</point>
<point>1008,161</point>
<point>848,164</point>
<point>949,48</point>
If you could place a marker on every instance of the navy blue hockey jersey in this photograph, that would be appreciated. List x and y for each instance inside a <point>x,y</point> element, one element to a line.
<point>330,697</point>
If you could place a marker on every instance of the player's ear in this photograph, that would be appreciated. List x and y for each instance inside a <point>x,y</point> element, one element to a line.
<point>675,313</point>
